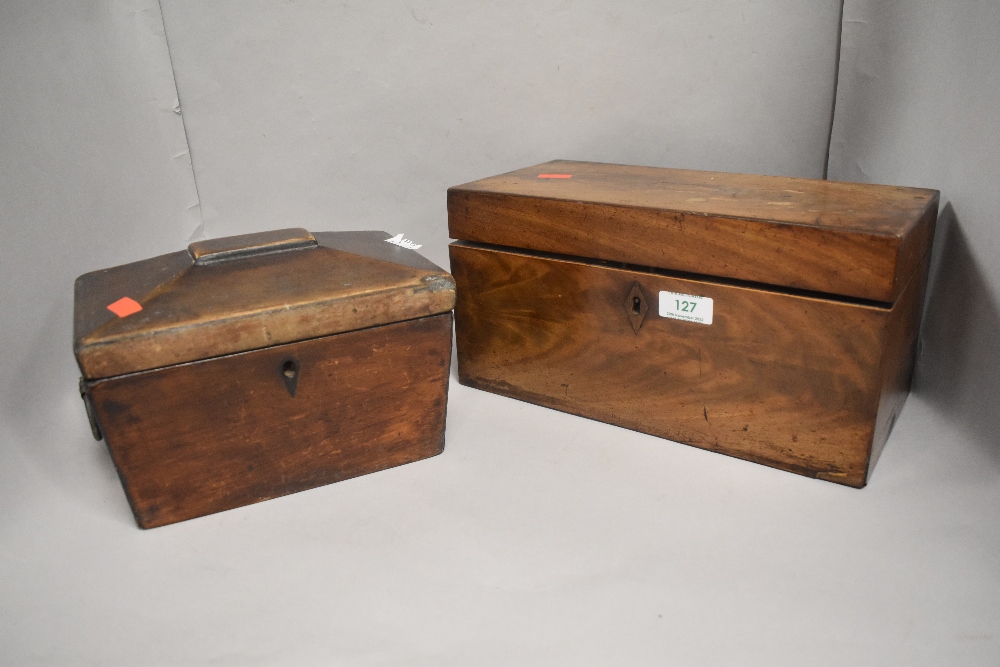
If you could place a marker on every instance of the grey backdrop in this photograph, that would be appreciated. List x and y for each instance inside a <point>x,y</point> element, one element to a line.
<point>919,104</point>
<point>348,115</point>
<point>537,537</point>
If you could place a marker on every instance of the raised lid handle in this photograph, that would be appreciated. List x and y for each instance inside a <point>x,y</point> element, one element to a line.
<point>250,245</point>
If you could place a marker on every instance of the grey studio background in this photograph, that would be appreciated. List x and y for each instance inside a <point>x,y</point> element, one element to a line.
<point>130,128</point>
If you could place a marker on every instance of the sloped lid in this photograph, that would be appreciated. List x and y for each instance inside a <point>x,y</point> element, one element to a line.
<point>849,239</point>
<point>248,292</point>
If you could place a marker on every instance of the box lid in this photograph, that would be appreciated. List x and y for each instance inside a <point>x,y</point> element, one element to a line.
<point>848,239</point>
<point>248,292</point>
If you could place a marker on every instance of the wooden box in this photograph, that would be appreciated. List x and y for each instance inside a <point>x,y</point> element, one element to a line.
<point>250,367</point>
<point>771,319</point>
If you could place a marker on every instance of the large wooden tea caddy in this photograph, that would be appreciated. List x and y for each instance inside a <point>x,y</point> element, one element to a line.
<point>254,366</point>
<point>771,319</point>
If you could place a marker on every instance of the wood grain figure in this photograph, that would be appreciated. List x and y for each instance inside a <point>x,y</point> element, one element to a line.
<point>817,305</point>
<point>263,365</point>
<point>212,435</point>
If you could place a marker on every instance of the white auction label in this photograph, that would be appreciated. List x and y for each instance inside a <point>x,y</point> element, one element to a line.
<point>686,307</point>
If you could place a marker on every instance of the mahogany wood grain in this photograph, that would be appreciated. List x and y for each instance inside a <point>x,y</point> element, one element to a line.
<point>899,354</point>
<point>849,239</point>
<point>207,436</point>
<point>801,383</point>
<point>192,310</point>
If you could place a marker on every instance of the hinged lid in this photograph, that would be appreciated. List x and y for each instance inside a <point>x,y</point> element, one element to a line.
<point>248,292</point>
<point>848,239</point>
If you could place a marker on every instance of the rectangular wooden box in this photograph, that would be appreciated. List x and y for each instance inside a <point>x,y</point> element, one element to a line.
<point>262,365</point>
<point>816,287</point>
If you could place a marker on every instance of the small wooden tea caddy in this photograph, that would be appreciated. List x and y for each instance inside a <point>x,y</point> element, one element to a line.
<point>254,366</point>
<point>772,319</point>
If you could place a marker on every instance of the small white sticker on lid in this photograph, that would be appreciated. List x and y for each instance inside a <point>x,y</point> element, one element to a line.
<point>403,243</point>
<point>686,307</point>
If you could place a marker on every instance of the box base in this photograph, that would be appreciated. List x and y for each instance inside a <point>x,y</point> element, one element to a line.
<point>787,380</point>
<point>212,435</point>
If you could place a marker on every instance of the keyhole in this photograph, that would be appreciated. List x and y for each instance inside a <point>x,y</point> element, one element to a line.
<point>290,374</point>
<point>635,307</point>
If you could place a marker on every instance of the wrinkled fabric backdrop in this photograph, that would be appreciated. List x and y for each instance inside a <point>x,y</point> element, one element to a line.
<point>129,128</point>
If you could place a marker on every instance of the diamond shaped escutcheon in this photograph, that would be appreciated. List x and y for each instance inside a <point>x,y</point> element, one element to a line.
<point>636,305</point>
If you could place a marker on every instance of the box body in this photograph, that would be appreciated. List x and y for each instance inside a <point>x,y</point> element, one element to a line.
<point>806,381</point>
<point>210,434</point>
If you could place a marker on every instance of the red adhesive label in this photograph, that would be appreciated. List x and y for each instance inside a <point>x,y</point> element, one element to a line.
<point>124,307</point>
<point>555,176</point>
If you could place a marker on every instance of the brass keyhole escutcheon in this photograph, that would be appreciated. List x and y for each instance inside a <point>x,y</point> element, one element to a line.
<point>290,374</point>
<point>636,306</point>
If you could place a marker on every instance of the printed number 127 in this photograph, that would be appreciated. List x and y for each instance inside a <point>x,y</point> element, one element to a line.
<point>685,306</point>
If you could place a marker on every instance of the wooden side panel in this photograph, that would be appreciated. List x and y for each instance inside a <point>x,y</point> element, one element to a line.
<point>788,381</point>
<point>898,357</point>
<point>915,249</point>
<point>208,436</point>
